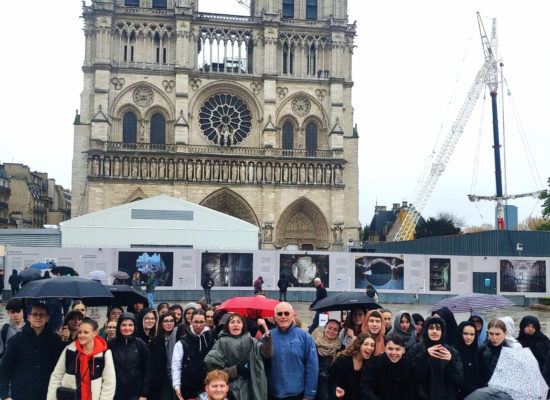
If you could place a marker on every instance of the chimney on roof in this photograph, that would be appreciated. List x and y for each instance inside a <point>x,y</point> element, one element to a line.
<point>405,204</point>
<point>395,207</point>
<point>379,208</point>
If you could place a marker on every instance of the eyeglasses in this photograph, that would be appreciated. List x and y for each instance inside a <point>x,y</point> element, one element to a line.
<point>285,313</point>
<point>168,321</point>
<point>198,322</point>
<point>38,315</point>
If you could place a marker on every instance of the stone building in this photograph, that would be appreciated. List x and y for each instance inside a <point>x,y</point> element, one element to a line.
<point>5,192</point>
<point>248,115</point>
<point>33,198</point>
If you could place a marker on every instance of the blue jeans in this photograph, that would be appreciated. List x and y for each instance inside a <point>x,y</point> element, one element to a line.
<point>151,301</point>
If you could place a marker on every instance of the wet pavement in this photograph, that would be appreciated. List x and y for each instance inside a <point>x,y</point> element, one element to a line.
<point>517,313</point>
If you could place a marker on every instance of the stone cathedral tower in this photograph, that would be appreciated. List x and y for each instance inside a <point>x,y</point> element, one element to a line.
<point>248,115</point>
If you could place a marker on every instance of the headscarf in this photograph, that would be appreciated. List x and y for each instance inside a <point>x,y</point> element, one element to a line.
<point>379,346</point>
<point>460,345</point>
<point>409,336</point>
<point>524,338</point>
<point>450,322</point>
<point>325,347</point>
<point>510,332</point>
<point>483,334</point>
<point>425,337</point>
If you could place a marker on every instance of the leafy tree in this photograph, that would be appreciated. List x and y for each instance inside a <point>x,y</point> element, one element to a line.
<point>532,223</point>
<point>441,225</point>
<point>545,226</point>
<point>479,228</point>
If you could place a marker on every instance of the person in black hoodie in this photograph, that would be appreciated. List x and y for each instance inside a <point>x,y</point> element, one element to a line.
<point>14,282</point>
<point>30,358</point>
<point>467,349</point>
<point>132,361</point>
<point>389,376</point>
<point>146,325</point>
<point>207,283</point>
<point>437,365</point>
<point>450,322</point>
<point>188,369</point>
<point>531,336</point>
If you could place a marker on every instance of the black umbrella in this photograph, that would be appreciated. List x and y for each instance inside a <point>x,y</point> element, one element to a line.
<point>29,274</point>
<point>123,295</point>
<point>62,270</point>
<point>64,286</point>
<point>346,301</point>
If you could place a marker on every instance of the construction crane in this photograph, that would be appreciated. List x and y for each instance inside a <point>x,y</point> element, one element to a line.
<point>487,75</point>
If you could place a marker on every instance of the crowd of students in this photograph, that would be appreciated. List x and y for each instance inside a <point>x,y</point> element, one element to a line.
<point>195,352</point>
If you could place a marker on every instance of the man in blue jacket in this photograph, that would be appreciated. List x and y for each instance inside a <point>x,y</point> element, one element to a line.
<point>30,358</point>
<point>294,366</point>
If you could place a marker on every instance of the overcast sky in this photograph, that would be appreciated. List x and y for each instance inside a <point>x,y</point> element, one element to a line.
<point>413,66</point>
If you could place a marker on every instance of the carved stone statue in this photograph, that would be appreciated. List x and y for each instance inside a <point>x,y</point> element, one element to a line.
<point>198,170</point>
<point>180,169</point>
<point>125,167</point>
<point>268,233</point>
<point>319,174</point>
<point>162,169</point>
<point>135,165</point>
<point>234,172</point>
<point>225,171</point>
<point>337,234</point>
<point>95,166</point>
<point>268,172</point>
<point>302,173</point>
<point>338,175</point>
<point>207,170</point>
<point>285,173</point>
<point>259,174</point>
<point>107,167</point>
<point>116,167</point>
<point>294,173</point>
<point>171,169</point>
<point>190,170</point>
<point>216,176</point>
<point>250,172</point>
<point>277,173</point>
<point>328,175</point>
<point>154,168</point>
<point>242,171</point>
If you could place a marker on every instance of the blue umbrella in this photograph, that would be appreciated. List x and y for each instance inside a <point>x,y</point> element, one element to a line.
<point>473,302</point>
<point>40,265</point>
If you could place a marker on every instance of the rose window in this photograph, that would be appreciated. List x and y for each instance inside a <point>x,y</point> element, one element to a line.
<point>225,119</point>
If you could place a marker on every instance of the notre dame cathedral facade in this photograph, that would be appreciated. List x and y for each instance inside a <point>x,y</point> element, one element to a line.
<point>248,115</point>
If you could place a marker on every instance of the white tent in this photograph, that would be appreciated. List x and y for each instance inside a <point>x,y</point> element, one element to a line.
<point>160,221</point>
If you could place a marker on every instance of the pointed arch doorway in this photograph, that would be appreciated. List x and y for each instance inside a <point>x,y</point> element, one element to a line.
<point>228,202</point>
<point>303,224</point>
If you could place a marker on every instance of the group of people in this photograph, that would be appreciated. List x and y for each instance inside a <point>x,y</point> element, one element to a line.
<point>197,352</point>
<point>407,356</point>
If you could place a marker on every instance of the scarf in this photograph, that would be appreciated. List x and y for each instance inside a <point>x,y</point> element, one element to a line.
<point>379,346</point>
<point>325,347</point>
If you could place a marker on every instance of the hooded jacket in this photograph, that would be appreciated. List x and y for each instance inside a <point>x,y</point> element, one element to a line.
<point>258,284</point>
<point>450,322</point>
<point>409,337</point>
<point>438,379</point>
<point>140,331</point>
<point>511,341</point>
<point>188,369</point>
<point>132,363</point>
<point>230,351</point>
<point>469,360</point>
<point>537,342</point>
<point>379,346</point>
<point>483,334</point>
<point>93,373</point>
<point>14,281</point>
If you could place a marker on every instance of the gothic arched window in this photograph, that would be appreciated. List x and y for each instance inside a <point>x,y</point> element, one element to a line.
<point>288,59</point>
<point>131,3</point>
<point>129,128</point>
<point>311,60</point>
<point>159,3</point>
<point>311,139</point>
<point>288,136</point>
<point>311,9</point>
<point>288,8</point>
<point>158,129</point>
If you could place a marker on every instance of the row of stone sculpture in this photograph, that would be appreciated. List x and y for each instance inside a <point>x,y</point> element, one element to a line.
<point>200,170</point>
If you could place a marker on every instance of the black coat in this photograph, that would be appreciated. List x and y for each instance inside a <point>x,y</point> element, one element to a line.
<point>343,375</point>
<point>538,343</point>
<point>132,364</point>
<point>385,380</point>
<point>28,362</point>
<point>159,363</point>
<point>437,379</point>
<point>468,356</point>
<point>320,293</point>
<point>193,370</point>
<point>487,358</point>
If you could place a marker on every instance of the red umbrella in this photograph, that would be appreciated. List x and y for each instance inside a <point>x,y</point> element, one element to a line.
<point>248,306</point>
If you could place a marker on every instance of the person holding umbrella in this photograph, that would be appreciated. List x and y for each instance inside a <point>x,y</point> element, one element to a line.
<point>85,367</point>
<point>30,358</point>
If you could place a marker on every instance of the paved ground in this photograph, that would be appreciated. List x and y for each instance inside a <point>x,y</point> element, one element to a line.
<point>516,313</point>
